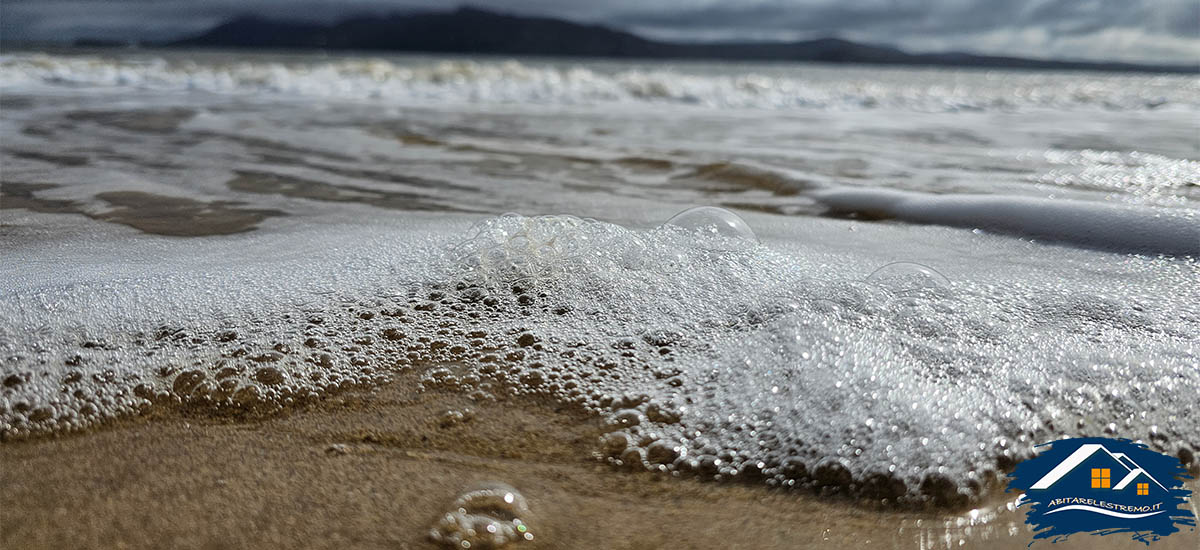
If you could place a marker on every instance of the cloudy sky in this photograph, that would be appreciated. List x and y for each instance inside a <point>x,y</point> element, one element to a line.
<point>1159,31</point>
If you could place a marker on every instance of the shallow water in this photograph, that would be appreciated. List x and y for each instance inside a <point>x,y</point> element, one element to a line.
<point>182,230</point>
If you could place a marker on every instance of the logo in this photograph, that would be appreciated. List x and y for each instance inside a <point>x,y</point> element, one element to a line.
<point>1102,486</point>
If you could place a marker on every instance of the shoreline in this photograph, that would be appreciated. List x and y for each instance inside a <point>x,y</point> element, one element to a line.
<point>255,302</point>
<point>377,468</point>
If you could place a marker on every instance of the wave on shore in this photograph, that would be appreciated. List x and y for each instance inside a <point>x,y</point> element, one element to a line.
<point>702,351</point>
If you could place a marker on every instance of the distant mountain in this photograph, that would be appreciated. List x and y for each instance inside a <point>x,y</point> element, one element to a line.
<point>471,30</point>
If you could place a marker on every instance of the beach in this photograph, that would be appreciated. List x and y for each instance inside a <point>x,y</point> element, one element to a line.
<point>285,483</point>
<point>284,300</point>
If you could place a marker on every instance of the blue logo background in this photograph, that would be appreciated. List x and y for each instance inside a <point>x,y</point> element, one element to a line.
<point>1102,486</point>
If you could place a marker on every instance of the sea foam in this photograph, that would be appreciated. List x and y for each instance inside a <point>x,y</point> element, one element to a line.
<point>415,79</point>
<point>701,354</point>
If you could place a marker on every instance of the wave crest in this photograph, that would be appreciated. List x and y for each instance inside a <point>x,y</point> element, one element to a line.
<point>708,85</point>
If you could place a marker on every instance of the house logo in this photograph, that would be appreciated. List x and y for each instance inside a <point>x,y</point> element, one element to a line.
<point>1103,486</point>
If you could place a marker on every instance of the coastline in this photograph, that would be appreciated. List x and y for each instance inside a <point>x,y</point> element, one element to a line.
<point>186,221</point>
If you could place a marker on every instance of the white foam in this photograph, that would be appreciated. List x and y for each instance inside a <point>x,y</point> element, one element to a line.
<point>1148,178</point>
<point>779,362</point>
<point>761,87</point>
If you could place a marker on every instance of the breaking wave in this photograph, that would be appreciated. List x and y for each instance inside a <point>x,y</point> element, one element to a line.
<point>1174,231</point>
<point>711,85</point>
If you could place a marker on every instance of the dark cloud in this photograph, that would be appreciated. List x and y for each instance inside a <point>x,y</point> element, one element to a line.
<point>1177,17</point>
<point>1135,30</point>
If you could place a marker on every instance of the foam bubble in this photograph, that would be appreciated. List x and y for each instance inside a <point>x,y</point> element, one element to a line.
<point>908,278</point>
<point>488,516</point>
<point>716,225</point>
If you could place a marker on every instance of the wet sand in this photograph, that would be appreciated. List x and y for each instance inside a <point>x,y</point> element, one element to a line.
<point>376,469</point>
<point>148,212</point>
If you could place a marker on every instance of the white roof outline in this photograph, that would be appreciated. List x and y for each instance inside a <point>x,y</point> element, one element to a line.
<point>1133,474</point>
<point>1083,453</point>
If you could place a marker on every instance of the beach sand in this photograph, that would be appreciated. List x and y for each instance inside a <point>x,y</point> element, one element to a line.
<point>376,469</point>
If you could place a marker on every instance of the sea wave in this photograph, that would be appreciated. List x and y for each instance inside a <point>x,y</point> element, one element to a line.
<point>1171,231</point>
<point>715,86</point>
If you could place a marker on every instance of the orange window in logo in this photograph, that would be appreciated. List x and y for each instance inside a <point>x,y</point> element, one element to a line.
<point>1143,488</point>
<point>1101,478</point>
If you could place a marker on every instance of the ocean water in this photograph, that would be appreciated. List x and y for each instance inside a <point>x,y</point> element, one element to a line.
<point>905,278</point>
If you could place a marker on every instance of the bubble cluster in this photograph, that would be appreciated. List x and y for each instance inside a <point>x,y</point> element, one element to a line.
<point>696,358</point>
<point>1135,177</point>
<point>518,250</point>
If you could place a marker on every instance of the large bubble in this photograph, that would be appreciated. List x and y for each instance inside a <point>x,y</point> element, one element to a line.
<point>719,225</point>
<point>903,278</point>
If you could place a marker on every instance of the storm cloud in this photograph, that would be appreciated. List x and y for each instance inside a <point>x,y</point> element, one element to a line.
<point>1120,30</point>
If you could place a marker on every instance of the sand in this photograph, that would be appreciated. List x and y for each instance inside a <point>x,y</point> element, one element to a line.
<point>376,469</point>
<point>149,212</point>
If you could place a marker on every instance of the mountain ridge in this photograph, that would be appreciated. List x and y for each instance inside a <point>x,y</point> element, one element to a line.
<point>469,30</point>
